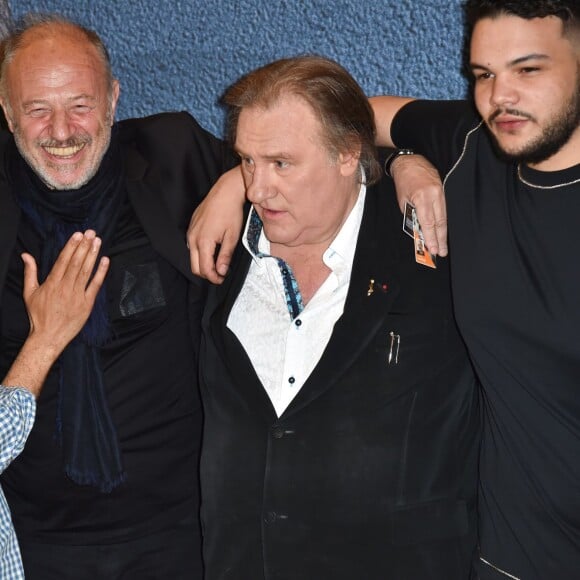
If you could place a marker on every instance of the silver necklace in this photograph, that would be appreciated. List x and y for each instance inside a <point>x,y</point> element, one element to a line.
<point>544,186</point>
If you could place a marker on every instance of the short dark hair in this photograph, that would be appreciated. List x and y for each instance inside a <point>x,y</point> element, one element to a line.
<point>48,24</point>
<point>566,10</point>
<point>337,100</point>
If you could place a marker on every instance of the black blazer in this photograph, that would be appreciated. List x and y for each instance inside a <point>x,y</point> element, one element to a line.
<point>371,471</point>
<point>170,161</point>
<point>170,164</point>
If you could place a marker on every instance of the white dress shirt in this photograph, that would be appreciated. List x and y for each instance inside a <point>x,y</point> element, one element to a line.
<point>285,343</point>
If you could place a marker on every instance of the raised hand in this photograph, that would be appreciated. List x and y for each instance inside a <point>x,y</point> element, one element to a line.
<point>58,308</point>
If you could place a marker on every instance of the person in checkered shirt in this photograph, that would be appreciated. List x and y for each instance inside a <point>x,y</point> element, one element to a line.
<point>57,309</point>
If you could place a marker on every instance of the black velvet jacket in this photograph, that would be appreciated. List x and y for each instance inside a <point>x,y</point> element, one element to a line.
<point>371,472</point>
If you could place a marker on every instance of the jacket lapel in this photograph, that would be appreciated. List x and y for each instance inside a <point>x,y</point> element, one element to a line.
<point>145,188</point>
<point>374,285</point>
<point>234,354</point>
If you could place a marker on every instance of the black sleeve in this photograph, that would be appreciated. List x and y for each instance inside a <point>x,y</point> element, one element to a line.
<point>435,129</point>
<point>221,150</point>
<point>208,156</point>
<point>186,158</point>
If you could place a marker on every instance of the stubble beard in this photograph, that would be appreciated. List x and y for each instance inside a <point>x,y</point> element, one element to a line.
<point>553,137</point>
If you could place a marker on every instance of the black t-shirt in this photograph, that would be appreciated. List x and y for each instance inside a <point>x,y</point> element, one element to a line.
<point>151,388</point>
<point>516,285</point>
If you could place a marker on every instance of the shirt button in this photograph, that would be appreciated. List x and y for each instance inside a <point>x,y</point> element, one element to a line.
<point>270,517</point>
<point>278,432</point>
<point>298,322</point>
<point>291,380</point>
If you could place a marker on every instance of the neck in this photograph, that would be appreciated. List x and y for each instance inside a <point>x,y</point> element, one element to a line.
<point>307,266</point>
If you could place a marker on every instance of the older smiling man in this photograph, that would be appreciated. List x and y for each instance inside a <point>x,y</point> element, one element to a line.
<point>107,484</point>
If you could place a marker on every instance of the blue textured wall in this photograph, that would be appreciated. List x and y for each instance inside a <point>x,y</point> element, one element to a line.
<point>179,54</point>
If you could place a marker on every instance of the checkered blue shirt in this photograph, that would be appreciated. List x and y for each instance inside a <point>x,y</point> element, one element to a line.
<point>17,409</point>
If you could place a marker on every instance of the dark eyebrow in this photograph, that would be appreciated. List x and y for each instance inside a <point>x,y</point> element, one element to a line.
<point>515,62</point>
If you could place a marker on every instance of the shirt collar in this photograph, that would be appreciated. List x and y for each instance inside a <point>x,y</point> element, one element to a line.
<point>340,254</point>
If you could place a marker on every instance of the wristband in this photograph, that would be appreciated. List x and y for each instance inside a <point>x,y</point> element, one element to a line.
<point>393,156</point>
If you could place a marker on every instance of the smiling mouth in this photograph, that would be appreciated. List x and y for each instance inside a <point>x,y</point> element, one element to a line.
<point>64,152</point>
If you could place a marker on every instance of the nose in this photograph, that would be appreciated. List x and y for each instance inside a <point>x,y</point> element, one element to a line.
<point>61,127</point>
<point>259,184</point>
<point>503,93</point>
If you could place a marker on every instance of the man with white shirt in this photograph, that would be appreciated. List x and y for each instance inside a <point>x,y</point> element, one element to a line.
<point>342,422</point>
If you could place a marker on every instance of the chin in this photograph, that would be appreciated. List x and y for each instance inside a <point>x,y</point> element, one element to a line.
<point>65,185</point>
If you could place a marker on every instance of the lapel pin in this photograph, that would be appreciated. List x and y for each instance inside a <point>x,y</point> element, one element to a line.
<point>376,286</point>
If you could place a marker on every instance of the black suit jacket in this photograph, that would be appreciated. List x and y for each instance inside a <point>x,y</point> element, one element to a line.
<point>371,471</point>
<point>170,163</point>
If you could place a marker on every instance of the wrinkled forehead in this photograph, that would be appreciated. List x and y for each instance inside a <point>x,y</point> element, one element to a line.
<point>49,62</point>
<point>285,125</point>
<point>54,45</point>
<point>286,113</point>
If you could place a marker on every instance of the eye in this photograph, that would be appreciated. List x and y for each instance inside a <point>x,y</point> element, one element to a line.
<point>482,76</point>
<point>247,163</point>
<point>529,69</point>
<point>281,164</point>
<point>81,109</point>
<point>38,112</point>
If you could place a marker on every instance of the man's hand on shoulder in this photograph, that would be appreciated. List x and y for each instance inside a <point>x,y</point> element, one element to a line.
<point>418,183</point>
<point>216,226</point>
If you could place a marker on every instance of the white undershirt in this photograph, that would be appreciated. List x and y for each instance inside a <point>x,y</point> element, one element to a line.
<point>284,351</point>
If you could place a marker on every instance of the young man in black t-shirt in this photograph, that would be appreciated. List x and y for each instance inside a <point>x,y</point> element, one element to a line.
<point>511,173</point>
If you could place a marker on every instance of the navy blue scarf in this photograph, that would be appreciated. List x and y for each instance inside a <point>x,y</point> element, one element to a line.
<point>85,430</point>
